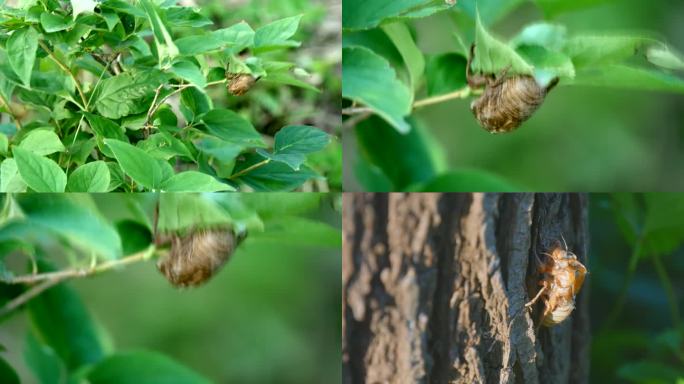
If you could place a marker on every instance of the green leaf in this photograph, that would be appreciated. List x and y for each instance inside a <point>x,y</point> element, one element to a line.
<point>662,228</point>
<point>136,163</point>
<point>626,77</point>
<point>126,94</point>
<point>552,8</point>
<point>10,180</point>
<point>368,14</point>
<point>43,361</point>
<point>546,35</point>
<point>277,33</point>
<point>493,56</point>
<point>39,173</point>
<point>54,22</point>
<point>652,372</point>
<point>194,102</point>
<point>413,57</point>
<point>288,79</point>
<point>236,37</point>
<point>179,212</point>
<point>7,373</point>
<point>445,73</point>
<point>105,129</point>
<point>466,180</point>
<point>187,70</point>
<point>385,148</point>
<point>369,79</point>
<point>273,176</point>
<point>124,7</point>
<point>233,128</point>
<point>554,63</point>
<point>223,151</point>
<point>74,217</point>
<point>63,323</point>
<point>82,6</point>
<point>590,51</point>
<point>90,177</point>
<point>144,367</point>
<point>164,145</point>
<point>42,142</point>
<point>665,58</point>
<point>294,142</point>
<point>491,11</point>
<point>193,181</point>
<point>166,48</point>
<point>21,52</point>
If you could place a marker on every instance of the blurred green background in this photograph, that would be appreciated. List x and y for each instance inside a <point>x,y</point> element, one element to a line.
<point>636,265</point>
<point>272,314</point>
<point>582,138</point>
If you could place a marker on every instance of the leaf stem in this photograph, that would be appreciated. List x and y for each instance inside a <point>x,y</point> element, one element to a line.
<point>250,168</point>
<point>65,69</point>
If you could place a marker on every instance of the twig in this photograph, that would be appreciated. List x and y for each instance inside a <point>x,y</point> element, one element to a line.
<point>10,111</point>
<point>179,88</point>
<point>361,113</point>
<point>65,69</point>
<point>460,94</point>
<point>250,168</point>
<point>26,296</point>
<point>50,279</point>
<point>78,272</point>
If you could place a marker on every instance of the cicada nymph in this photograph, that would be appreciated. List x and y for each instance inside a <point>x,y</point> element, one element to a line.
<point>562,276</point>
<point>239,83</point>
<point>507,101</point>
<point>196,256</point>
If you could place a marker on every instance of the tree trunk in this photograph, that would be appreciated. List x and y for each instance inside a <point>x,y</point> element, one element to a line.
<point>435,287</point>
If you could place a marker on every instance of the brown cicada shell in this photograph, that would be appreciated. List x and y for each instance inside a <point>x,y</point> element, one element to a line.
<point>194,258</point>
<point>506,101</point>
<point>562,276</point>
<point>239,83</point>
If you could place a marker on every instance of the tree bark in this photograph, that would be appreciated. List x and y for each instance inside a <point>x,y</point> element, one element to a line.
<point>435,287</point>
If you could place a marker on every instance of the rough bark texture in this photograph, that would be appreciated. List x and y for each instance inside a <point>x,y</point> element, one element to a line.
<point>435,287</point>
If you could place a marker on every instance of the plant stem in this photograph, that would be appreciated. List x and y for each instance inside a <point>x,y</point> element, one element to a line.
<point>460,94</point>
<point>631,269</point>
<point>65,69</point>
<point>50,279</point>
<point>26,296</point>
<point>79,272</point>
<point>667,286</point>
<point>179,88</point>
<point>250,168</point>
<point>365,112</point>
<point>9,110</point>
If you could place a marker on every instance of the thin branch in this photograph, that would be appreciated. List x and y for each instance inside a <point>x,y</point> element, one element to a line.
<point>460,94</point>
<point>26,296</point>
<point>667,286</point>
<point>65,69</point>
<point>10,111</point>
<point>78,272</point>
<point>250,168</point>
<point>365,112</point>
<point>179,88</point>
<point>50,279</point>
